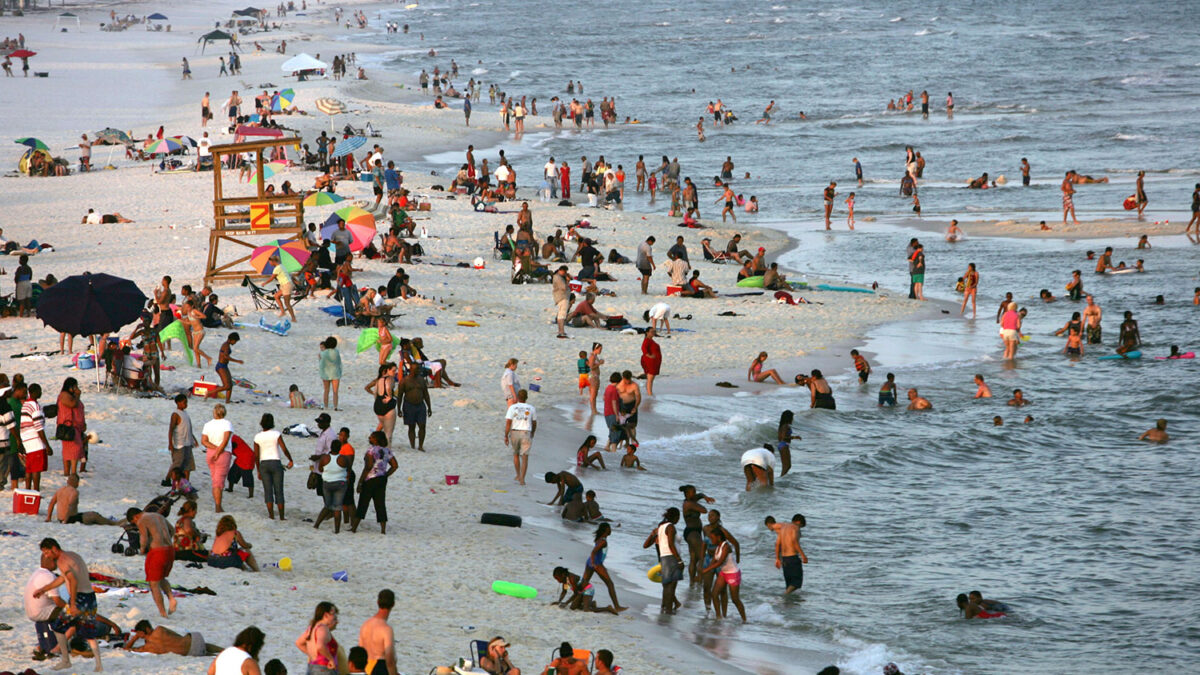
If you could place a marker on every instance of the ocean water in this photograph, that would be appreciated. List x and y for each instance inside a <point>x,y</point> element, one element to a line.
<point>1084,531</point>
<point>1102,87</point>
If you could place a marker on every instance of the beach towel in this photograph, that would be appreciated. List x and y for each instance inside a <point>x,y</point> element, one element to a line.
<point>176,331</point>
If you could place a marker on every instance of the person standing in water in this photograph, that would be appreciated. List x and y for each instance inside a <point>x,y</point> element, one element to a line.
<point>1140,195</point>
<point>692,534</point>
<point>1195,221</point>
<point>730,575</point>
<point>829,193</point>
<point>789,557</point>
<point>970,286</point>
<point>783,439</point>
<point>1024,172</point>
<point>669,560</point>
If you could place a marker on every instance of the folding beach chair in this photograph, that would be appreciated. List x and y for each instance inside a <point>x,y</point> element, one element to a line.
<point>579,654</point>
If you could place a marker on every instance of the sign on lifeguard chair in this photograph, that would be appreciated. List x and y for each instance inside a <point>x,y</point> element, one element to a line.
<point>260,216</point>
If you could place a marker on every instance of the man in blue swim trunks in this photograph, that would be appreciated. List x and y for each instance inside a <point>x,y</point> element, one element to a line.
<point>224,358</point>
<point>80,614</point>
<point>569,487</point>
<point>788,554</point>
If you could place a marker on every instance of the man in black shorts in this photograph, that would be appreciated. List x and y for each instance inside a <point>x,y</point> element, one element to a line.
<point>415,406</point>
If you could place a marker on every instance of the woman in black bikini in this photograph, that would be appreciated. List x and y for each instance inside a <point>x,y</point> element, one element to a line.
<point>692,532</point>
<point>822,395</point>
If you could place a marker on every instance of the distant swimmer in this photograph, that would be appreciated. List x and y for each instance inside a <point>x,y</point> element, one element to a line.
<point>766,116</point>
<point>954,232</point>
<point>1091,321</point>
<point>887,392</point>
<point>1144,241</point>
<point>1105,261</point>
<point>1018,399</point>
<point>918,402</point>
<point>997,421</point>
<point>1075,286</point>
<point>980,183</point>
<point>975,610</point>
<point>789,557</point>
<point>949,104</point>
<point>1130,338</point>
<point>758,465</point>
<point>1074,346</point>
<point>858,174</point>
<point>1025,172</point>
<point>700,130</point>
<point>1156,435</point>
<point>982,390</point>
<point>1080,179</point>
<point>1046,295</point>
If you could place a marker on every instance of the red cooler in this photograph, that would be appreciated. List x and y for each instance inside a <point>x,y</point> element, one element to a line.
<point>28,502</point>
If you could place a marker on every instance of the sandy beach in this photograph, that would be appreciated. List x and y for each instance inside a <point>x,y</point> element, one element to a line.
<point>436,555</point>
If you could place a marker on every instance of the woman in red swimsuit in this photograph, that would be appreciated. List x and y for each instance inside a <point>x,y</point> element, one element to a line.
<point>651,359</point>
<point>317,641</point>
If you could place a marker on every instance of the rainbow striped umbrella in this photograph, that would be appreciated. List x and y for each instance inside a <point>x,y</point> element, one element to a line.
<point>359,221</point>
<point>322,199</point>
<point>163,146</point>
<point>292,255</point>
<point>268,170</point>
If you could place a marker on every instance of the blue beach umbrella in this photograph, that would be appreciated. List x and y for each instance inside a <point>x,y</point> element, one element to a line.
<point>348,145</point>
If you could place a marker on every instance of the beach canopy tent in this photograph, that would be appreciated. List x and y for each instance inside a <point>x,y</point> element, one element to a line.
<point>66,18</point>
<point>214,36</point>
<point>26,162</point>
<point>249,11</point>
<point>303,62</point>
<point>156,17</point>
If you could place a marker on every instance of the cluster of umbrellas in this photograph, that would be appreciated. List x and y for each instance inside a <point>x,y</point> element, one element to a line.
<point>293,253</point>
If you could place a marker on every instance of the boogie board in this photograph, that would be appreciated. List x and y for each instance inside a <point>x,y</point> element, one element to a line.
<point>1130,203</point>
<point>1185,355</point>
<point>751,282</point>
<point>1126,355</point>
<point>1126,270</point>
<point>846,289</point>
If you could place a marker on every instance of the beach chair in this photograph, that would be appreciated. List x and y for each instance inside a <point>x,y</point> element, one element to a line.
<point>264,298</point>
<point>500,252</point>
<point>580,655</point>
<point>371,131</point>
<point>477,651</point>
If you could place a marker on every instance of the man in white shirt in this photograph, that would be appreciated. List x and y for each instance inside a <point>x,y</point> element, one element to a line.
<point>677,269</point>
<point>660,312</point>
<point>502,174</point>
<point>42,609</point>
<point>550,173</point>
<point>520,424</point>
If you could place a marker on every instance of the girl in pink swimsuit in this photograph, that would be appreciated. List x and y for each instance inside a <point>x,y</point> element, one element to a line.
<point>730,576</point>
<point>317,641</point>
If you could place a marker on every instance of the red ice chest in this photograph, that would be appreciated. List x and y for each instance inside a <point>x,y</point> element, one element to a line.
<point>204,389</point>
<point>674,290</point>
<point>576,286</point>
<point>28,502</point>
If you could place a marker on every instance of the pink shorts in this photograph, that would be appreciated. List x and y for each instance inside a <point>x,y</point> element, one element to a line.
<point>732,578</point>
<point>218,466</point>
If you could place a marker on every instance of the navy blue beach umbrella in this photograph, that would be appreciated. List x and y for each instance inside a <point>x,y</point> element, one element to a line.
<point>91,304</point>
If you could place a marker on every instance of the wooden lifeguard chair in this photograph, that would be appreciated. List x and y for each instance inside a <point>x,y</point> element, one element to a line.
<point>268,216</point>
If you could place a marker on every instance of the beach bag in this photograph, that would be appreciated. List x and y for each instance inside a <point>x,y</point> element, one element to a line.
<point>64,432</point>
<point>313,481</point>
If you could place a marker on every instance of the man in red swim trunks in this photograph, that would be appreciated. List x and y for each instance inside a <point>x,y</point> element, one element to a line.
<point>158,545</point>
